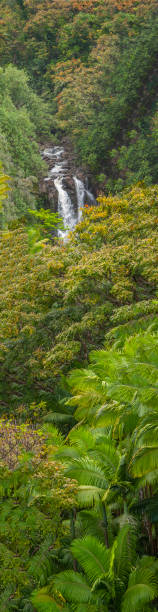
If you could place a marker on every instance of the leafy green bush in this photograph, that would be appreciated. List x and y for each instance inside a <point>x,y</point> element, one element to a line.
<point>24,118</point>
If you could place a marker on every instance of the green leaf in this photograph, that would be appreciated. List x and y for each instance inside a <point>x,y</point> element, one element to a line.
<point>93,557</point>
<point>144,461</point>
<point>142,586</point>
<point>73,586</point>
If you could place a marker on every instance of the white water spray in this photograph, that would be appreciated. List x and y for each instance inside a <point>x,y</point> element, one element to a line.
<point>67,210</point>
<point>90,197</point>
<point>80,192</point>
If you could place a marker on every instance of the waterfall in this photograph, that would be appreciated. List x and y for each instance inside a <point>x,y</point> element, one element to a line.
<point>82,195</point>
<point>65,209</point>
<point>90,197</point>
<point>80,192</point>
<point>59,174</point>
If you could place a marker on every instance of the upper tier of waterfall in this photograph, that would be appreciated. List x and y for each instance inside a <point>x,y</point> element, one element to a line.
<point>69,208</point>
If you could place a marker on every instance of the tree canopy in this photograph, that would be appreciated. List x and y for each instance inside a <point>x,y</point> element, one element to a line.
<point>78,319</point>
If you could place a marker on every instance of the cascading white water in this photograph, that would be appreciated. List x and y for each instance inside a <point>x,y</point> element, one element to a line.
<point>80,192</point>
<point>57,169</point>
<point>70,213</point>
<point>65,209</point>
<point>90,197</point>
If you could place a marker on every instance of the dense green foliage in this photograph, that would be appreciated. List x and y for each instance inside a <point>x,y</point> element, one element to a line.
<point>78,319</point>
<point>59,303</point>
<point>34,495</point>
<point>24,119</point>
<point>97,62</point>
<point>4,187</point>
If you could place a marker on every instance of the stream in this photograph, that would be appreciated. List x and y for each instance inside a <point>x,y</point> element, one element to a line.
<point>70,203</point>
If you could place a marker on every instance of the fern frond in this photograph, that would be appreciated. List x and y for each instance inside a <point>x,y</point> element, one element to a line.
<point>52,434</point>
<point>40,565</point>
<point>6,603</point>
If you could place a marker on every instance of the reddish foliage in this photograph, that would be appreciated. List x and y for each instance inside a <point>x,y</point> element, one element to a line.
<point>139,6</point>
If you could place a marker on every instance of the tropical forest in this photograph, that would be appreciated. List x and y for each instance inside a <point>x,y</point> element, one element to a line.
<point>78,306</point>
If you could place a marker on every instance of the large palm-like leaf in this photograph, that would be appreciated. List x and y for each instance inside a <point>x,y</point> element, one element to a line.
<point>137,371</point>
<point>142,586</point>
<point>91,522</point>
<point>87,471</point>
<point>66,454</point>
<point>44,602</point>
<point>83,438</point>
<point>147,432</point>
<point>130,376</point>
<point>73,587</point>
<point>121,419</point>
<point>144,461</point>
<point>96,468</point>
<point>125,552</point>
<point>108,456</point>
<point>107,413</point>
<point>89,495</point>
<point>107,570</point>
<point>93,557</point>
<point>87,392</point>
<point>80,440</point>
